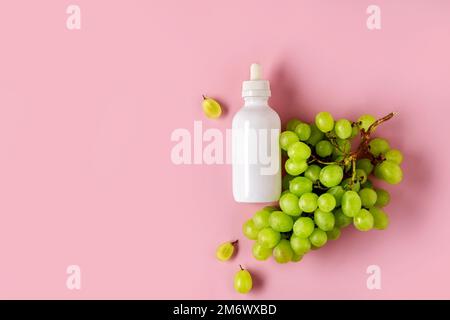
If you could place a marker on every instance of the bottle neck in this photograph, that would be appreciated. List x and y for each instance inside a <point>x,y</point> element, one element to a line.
<point>256,101</point>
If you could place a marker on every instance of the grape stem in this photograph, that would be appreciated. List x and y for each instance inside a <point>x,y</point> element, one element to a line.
<point>241,267</point>
<point>235,242</point>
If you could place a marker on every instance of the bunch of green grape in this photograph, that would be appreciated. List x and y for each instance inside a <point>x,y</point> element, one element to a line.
<point>327,186</point>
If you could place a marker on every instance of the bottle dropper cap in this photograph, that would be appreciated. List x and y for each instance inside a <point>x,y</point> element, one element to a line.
<point>256,86</point>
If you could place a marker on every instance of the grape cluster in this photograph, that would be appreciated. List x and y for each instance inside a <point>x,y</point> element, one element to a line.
<point>326,186</point>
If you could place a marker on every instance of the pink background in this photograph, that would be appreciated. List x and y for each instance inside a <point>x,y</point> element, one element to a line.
<point>85,124</point>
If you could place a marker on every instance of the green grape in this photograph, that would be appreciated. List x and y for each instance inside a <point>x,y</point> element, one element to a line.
<point>211,108</point>
<point>292,124</point>
<point>355,131</point>
<point>334,234</point>
<point>270,208</point>
<point>280,221</point>
<point>318,238</point>
<point>284,192</point>
<point>389,171</point>
<point>326,202</point>
<point>243,282</point>
<point>361,176</point>
<point>378,146</point>
<point>383,197</point>
<point>261,219</point>
<point>312,173</point>
<point>380,218</point>
<point>324,220</point>
<point>225,251</point>
<point>363,220</point>
<point>341,220</point>
<point>324,121</point>
<point>283,252</point>
<point>394,155</point>
<point>343,129</point>
<point>286,180</point>
<point>268,237</point>
<point>300,245</point>
<point>250,230</point>
<point>303,227</point>
<point>261,252</point>
<point>295,167</point>
<point>344,147</point>
<point>316,135</point>
<point>365,121</point>
<point>287,138</point>
<point>364,164</point>
<point>331,175</point>
<point>296,257</point>
<point>351,203</point>
<point>347,184</point>
<point>308,202</point>
<point>337,192</point>
<point>368,197</point>
<point>367,184</point>
<point>289,204</point>
<point>299,151</point>
<point>303,131</point>
<point>300,185</point>
<point>314,247</point>
<point>324,148</point>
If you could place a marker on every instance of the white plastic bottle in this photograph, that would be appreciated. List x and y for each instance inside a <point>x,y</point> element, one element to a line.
<point>255,144</point>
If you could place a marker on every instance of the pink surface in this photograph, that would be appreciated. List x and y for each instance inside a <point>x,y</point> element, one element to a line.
<point>85,123</point>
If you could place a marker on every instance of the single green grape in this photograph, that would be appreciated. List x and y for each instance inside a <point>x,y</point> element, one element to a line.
<point>348,184</point>
<point>383,198</point>
<point>324,220</point>
<point>344,147</point>
<point>211,108</point>
<point>334,233</point>
<point>280,221</point>
<point>380,218</point>
<point>341,220</point>
<point>343,128</point>
<point>300,185</point>
<point>270,208</point>
<point>303,227</point>
<point>365,121</point>
<point>326,202</point>
<point>286,181</point>
<point>243,282</point>
<point>308,202</point>
<point>289,204</point>
<point>292,124</point>
<point>303,131</point>
<point>250,230</point>
<point>361,176</point>
<point>287,138</point>
<point>295,167</point>
<point>316,135</point>
<point>324,148</point>
<point>365,164</point>
<point>268,237</point>
<point>368,197</point>
<point>299,151</point>
<point>389,171</point>
<point>296,257</point>
<point>324,121</point>
<point>318,238</point>
<point>282,253</point>
<point>394,155</point>
<point>261,219</point>
<point>300,245</point>
<point>378,146</point>
<point>261,252</point>
<point>312,173</point>
<point>367,184</point>
<point>351,203</point>
<point>337,192</point>
<point>225,251</point>
<point>331,175</point>
<point>363,220</point>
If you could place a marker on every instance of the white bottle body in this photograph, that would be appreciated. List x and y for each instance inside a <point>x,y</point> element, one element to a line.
<point>255,152</point>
